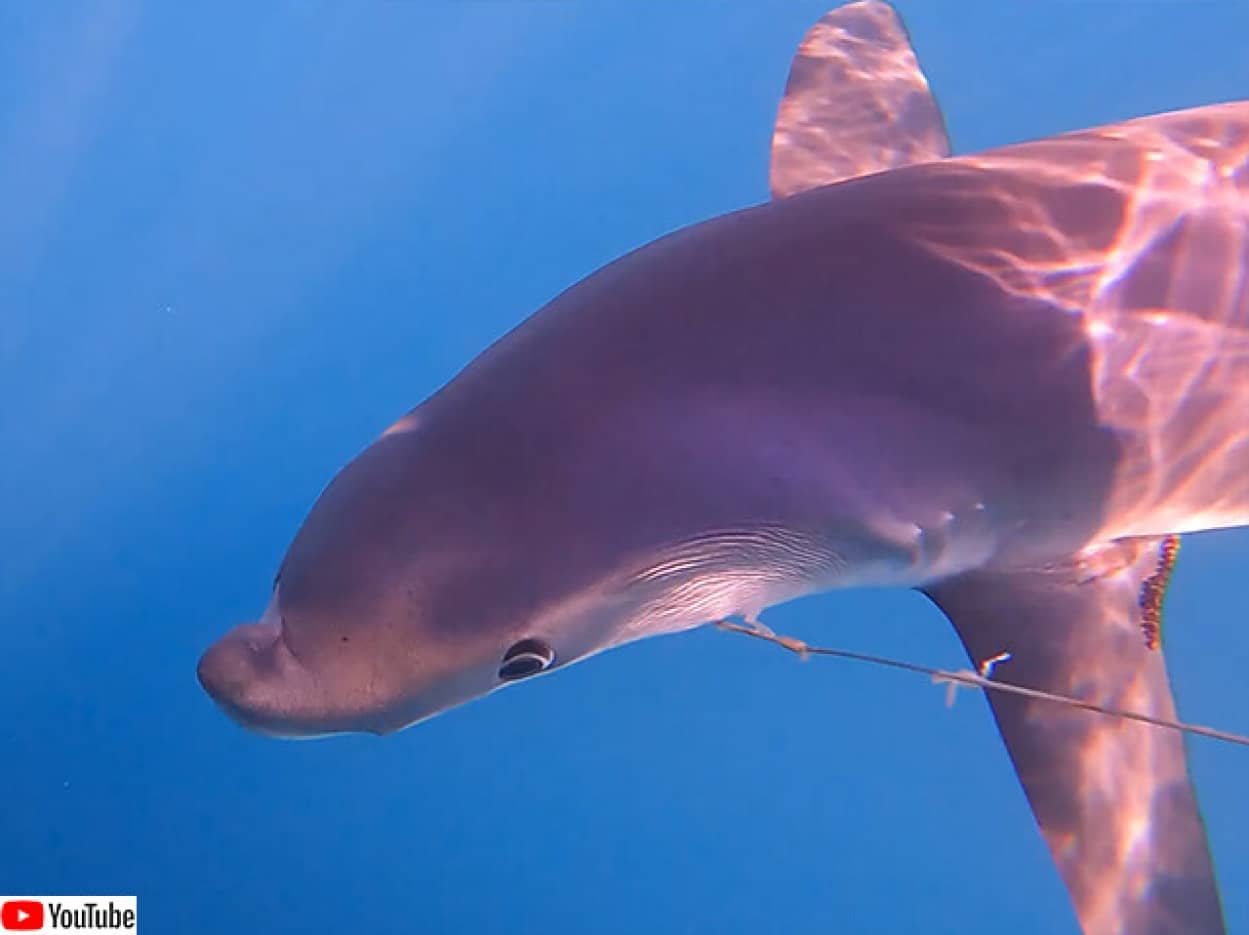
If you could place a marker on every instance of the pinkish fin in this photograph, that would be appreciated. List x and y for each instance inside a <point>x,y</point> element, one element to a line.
<point>856,103</point>
<point>1112,797</point>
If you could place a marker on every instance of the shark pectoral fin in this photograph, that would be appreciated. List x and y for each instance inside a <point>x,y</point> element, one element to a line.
<point>1112,797</point>
<point>856,103</point>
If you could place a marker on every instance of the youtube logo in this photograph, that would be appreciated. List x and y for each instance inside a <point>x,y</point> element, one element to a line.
<point>83,915</point>
<point>21,915</point>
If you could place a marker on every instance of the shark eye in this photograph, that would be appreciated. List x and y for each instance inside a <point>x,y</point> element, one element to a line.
<point>528,657</point>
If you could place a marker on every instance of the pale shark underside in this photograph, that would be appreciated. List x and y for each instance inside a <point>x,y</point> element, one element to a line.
<point>1007,379</point>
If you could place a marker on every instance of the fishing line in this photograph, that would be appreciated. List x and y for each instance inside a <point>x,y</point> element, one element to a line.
<point>952,679</point>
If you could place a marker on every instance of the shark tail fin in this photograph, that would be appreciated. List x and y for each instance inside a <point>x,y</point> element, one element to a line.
<point>1112,797</point>
<point>856,103</point>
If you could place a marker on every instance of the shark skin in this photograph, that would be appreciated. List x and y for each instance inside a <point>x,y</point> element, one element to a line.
<point>1008,379</point>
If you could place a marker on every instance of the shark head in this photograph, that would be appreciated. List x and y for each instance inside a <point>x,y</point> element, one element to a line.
<point>470,549</point>
<point>410,588</point>
<point>308,670</point>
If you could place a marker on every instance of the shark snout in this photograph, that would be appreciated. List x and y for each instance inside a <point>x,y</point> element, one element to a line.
<point>231,664</point>
<point>233,670</point>
<point>254,678</point>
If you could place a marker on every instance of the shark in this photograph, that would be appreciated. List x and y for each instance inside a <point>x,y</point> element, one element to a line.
<point>1009,379</point>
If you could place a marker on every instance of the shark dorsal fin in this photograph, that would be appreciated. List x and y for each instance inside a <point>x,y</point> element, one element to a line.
<point>1113,798</point>
<point>856,103</point>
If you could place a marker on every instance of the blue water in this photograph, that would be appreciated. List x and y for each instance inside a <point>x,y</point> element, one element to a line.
<point>238,239</point>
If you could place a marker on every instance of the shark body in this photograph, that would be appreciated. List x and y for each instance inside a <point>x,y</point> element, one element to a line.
<point>1007,379</point>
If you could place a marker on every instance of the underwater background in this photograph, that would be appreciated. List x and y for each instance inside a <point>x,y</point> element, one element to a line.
<point>238,239</point>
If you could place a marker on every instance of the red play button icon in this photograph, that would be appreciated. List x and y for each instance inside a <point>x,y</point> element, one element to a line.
<point>21,915</point>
